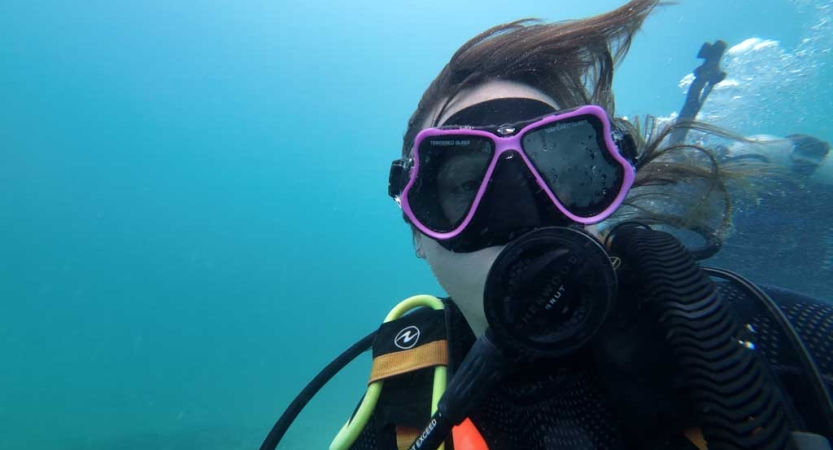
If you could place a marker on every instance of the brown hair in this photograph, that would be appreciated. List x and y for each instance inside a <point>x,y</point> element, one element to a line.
<point>573,62</point>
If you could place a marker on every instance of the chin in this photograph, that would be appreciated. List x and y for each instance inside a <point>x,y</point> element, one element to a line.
<point>462,275</point>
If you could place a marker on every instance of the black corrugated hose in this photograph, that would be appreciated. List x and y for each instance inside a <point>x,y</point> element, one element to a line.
<point>737,405</point>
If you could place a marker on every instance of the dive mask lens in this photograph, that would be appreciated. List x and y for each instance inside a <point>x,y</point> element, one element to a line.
<point>452,169</point>
<point>572,158</point>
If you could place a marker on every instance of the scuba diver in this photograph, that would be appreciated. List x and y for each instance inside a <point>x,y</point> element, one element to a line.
<point>575,319</point>
<point>802,155</point>
<point>788,217</point>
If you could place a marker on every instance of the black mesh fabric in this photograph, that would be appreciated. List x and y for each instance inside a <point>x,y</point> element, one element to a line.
<point>559,409</point>
<point>368,440</point>
<point>812,319</point>
<point>571,406</point>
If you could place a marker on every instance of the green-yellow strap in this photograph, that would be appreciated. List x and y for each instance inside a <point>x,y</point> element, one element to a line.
<point>354,426</point>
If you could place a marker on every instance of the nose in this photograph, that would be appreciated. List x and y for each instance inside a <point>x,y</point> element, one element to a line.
<point>511,202</point>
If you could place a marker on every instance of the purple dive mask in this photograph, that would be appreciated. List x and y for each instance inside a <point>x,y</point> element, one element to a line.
<point>570,161</point>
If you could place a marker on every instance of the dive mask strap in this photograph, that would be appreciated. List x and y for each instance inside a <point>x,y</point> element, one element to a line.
<point>625,143</point>
<point>397,178</point>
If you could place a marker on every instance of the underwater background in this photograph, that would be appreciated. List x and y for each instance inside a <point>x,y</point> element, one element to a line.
<point>193,208</point>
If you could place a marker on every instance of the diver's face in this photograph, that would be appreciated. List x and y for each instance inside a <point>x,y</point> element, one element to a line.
<point>463,275</point>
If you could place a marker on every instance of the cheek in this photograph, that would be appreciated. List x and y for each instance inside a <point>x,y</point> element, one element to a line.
<point>462,275</point>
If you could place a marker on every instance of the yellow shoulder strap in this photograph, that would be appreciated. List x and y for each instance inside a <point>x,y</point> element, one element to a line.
<point>695,435</point>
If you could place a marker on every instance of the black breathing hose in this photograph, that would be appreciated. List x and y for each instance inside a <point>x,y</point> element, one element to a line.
<point>282,425</point>
<point>736,405</point>
<point>808,366</point>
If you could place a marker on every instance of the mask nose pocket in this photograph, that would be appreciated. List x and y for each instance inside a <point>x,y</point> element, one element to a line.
<point>512,201</point>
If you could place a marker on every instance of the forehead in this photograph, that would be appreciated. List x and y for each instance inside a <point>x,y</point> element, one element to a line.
<point>489,91</point>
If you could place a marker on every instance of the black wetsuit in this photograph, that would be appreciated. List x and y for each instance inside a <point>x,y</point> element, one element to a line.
<point>618,395</point>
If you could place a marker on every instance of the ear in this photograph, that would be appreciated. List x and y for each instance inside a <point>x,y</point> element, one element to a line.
<point>417,237</point>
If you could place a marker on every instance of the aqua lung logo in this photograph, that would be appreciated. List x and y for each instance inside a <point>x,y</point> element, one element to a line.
<point>407,338</point>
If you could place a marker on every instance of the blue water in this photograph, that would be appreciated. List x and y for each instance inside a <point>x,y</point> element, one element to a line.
<point>193,209</point>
